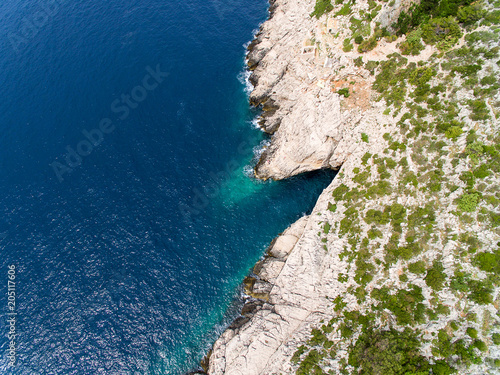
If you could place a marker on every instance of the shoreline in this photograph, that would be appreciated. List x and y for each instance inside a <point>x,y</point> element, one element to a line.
<point>254,297</point>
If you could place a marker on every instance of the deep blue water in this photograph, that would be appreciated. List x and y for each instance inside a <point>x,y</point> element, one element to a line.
<point>128,259</point>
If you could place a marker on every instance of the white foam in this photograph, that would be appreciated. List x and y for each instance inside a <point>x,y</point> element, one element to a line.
<point>255,123</point>
<point>258,150</point>
<point>243,77</point>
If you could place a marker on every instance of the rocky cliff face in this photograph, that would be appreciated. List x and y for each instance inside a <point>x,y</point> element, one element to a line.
<point>290,85</point>
<point>322,111</point>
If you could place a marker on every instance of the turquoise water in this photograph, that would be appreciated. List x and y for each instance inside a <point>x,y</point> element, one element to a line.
<point>127,201</point>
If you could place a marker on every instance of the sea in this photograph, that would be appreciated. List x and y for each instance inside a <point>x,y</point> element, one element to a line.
<point>129,214</point>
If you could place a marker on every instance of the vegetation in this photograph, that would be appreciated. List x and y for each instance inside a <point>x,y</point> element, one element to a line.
<point>435,277</point>
<point>388,352</point>
<point>322,7</point>
<point>344,92</point>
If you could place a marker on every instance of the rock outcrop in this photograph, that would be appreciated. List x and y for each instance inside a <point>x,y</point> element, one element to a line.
<point>290,87</point>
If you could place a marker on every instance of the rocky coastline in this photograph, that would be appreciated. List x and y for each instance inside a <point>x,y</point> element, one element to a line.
<point>297,70</point>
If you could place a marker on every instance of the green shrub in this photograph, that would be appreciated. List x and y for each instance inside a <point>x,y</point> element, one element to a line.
<point>344,92</point>
<point>345,10</point>
<point>347,46</point>
<point>412,45</point>
<point>326,228</point>
<point>470,14</point>
<point>474,151</point>
<point>365,158</point>
<point>321,7</point>
<point>371,66</point>
<point>377,216</point>
<point>310,364</point>
<point>417,267</point>
<point>373,233</point>
<point>468,178</point>
<point>454,132</point>
<point>390,163</point>
<point>444,32</point>
<point>339,191</point>
<point>435,277</point>
<point>317,337</point>
<point>379,189</point>
<point>368,44</point>
<point>481,293</point>
<point>472,332</point>
<point>479,110</point>
<point>479,36</point>
<point>364,137</point>
<point>362,177</point>
<point>496,338</point>
<point>482,172</point>
<point>481,345</point>
<point>298,353</point>
<point>460,281</point>
<point>488,262</point>
<point>388,352</point>
<point>343,278</point>
<point>468,202</point>
<point>358,39</point>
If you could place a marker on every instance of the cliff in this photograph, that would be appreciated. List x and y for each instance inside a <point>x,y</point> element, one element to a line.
<point>396,269</point>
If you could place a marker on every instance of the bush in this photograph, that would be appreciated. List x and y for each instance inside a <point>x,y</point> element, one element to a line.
<point>365,158</point>
<point>412,45</point>
<point>326,228</point>
<point>488,262</point>
<point>374,233</point>
<point>482,172</point>
<point>310,364</point>
<point>460,281</point>
<point>321,7</point>
<point>317,338</point>
<point>469,202</point>
<point>339,191</point>
<point>388,352</point>
<point>359,39</point>
<point>480,345</point>
<point>347,47</point>
<point>454,132</point>
<point>364,137</point>
<point>443,32</point>
<point>479,110</point>
<point>345,10</point>
<point>417,267</point>
<point>296,356</point>
<point>380,189</point>
<point>368,44</point>
<point>470,14</point>
<point>472,332</point>
<point>480,292</point>
<point>377,216</point>
<point>344,92</point>
<point>362,177</point>
<point>435,277</point>
<point>496,338</point>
